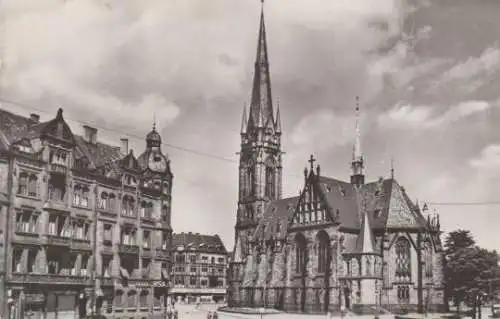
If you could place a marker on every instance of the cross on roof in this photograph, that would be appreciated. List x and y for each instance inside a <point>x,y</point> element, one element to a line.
<point>311,161</point>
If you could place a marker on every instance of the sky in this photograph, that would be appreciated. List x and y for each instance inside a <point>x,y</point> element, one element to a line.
<point>426,71</point>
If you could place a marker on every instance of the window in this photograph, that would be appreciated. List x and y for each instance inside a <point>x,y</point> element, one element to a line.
<point>128,236</point>
<point>106,266</point>
<point>33,186</point>
<point>58,157</point>
<point>146,263</point>
<point>17,260</point>
<point>81,229</point>
<point>146,239</point>
<point>128,205</point>
<point>192,281</point>
<point>112,202</point>
<point>376,213</point>
<point>22,187</point>
<point>403,294</point>
<point>130,180</point>
<point>192,259</point>
<point>32,253</point>
<point>323,252</point>
<point>300,250</point>
<point>204,269</point>
<point>270,189</point>
<point>220,260</point>
<point>26,222</point>
<point>368,266</point>
<point>428,267</point>
<point>103,201</point>
<point>250,179</point>
<point>108,234</point>
<point>403,259</point>
<point>57,187</point>
<point>164,244</point>
<point>204,283</point>
<point>164,213</point>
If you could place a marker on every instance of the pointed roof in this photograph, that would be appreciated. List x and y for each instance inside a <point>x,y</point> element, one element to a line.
<point>365,243</point>
<point>238,254</point>
<point>244,120</point>
<point>261,108</point>
<point>278,119</point>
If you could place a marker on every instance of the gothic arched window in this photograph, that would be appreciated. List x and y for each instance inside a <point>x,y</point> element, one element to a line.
<point>403,258</point>
<point>301,251</point>
<point>323,252</point>
<point>368,266</point>
<point>428,259</point>
<point>250,179</point>
<point>270,190</point>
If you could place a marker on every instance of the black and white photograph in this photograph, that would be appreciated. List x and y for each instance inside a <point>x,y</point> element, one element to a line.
<point>253,159</point>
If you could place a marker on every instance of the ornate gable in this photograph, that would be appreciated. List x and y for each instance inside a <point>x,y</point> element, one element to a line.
<point>58,130</point>
<point>401,213</point>
<point>312,208</point>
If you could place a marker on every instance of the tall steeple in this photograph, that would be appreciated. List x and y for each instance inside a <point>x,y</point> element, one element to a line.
<point>260,169</point>
<point>357,165</point>
<point>261,107</point>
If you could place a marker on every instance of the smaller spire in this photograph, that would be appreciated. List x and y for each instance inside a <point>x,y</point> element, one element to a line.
<point>244,119</point>
<point>59,113</point>
<point>278,117</point>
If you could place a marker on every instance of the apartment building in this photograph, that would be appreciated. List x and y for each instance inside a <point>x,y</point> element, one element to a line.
<point>85,226</point>
<point>200,266</point>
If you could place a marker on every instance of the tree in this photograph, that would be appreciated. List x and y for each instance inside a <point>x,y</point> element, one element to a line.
<point>457,240</point>
<point>468,269</point>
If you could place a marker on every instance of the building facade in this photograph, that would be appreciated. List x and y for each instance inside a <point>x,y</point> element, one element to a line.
<point>85,225</point>
<point>338,244</point>
<point>200,268</point>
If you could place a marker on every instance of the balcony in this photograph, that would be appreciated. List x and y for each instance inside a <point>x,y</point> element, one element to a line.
<point>80,244</point>
<point>57,241</point>
<point>106,281</point>
<point>49,279</point>
<point>58,168</point>
<point>162,254</point>
<point>128,249</point>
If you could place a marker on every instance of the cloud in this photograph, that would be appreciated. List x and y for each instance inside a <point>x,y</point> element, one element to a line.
<point>323,130</point>
<point>470,74</point>
<point>423,117</point>
<point>488,159</point>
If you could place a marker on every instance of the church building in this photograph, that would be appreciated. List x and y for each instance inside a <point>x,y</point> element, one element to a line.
<point>355,245</point>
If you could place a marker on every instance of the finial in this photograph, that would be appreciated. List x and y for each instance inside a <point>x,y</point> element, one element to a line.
<point>154,121</point>
<point>318,170</point>
<point>357,103</point>
<point>392,167</point>
<point>311,162</point>
<point>59,113</point>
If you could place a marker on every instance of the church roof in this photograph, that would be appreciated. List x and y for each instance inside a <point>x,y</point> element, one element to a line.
<point>384,203</point>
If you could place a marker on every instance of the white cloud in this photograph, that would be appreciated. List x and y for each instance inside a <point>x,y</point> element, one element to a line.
<point>471,73</point>
<point>489,158</point>
<point>323,130</point>
<point>408,116</point>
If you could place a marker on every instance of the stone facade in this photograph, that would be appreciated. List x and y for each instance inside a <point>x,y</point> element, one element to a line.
<point>339,244</point>
<point>85,226</point>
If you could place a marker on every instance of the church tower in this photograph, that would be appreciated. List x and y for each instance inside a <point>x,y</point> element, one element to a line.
<point>260,156</point>
<point>357,164</point>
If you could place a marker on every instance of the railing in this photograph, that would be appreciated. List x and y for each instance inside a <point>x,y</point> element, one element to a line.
<point>58,168</point>
<point>49,278</point>
<point>80,244</point>
<point>55,240</point>
<point>128,249</point>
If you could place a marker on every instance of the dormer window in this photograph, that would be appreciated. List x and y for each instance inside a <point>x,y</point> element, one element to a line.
<point>376,213</point>
<point>328,188</point>
<point>342,191</point>
<point>157,158</point>
<point>130,180</point>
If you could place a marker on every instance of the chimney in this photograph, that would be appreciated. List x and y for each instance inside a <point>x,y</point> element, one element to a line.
<point>90,134</point>
<point>124,146</point>
<point>35,118</point>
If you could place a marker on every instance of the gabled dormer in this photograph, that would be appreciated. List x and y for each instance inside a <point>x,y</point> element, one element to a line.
<point>312,208</point>
<point>57,131</point>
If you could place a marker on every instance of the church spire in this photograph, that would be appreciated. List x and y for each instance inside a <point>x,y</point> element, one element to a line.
<point>261,108</point>
<point>244,120</point>
<point>278,118</point>
<point>357,165</point>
